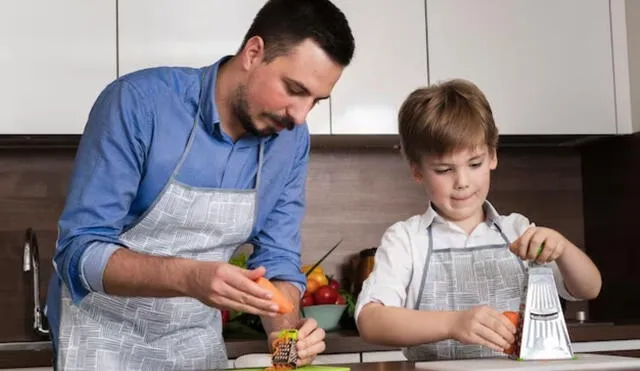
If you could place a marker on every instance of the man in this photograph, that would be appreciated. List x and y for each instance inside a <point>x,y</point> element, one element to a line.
<point>178,167</point>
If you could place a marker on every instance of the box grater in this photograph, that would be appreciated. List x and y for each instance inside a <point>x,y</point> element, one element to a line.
<point>542,332</point>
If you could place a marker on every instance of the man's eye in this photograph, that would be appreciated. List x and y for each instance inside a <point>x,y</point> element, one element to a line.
<point>293,91</point>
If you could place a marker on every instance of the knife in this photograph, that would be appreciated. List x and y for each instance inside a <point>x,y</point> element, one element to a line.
<point>322,259</point>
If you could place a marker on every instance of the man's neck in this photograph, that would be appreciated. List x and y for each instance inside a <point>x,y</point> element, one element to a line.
<point>226,82</point>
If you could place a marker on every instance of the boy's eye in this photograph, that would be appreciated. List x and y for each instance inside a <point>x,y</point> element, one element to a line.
<point>442,171</point>
<point>476,164</point>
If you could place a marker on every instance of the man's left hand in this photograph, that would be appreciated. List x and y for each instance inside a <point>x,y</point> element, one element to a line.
<point>310,340</point>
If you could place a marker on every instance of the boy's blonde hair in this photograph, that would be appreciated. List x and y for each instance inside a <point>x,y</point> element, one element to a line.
<point>445,117</point>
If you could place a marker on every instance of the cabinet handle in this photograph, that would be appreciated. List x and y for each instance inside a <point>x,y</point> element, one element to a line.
<point>31,262</point>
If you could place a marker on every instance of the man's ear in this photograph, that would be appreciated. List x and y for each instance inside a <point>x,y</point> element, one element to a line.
<point>252,53</point>
<point>416,172</point>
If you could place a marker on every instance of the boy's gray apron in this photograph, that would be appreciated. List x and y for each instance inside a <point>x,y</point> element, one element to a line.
<point>456,279</point>
<point>107,332</point>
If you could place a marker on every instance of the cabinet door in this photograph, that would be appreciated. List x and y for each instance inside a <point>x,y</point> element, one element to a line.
<point>55,58</point>
<point>192,33</point>
<point>545,66</point>
<point>390,61</point>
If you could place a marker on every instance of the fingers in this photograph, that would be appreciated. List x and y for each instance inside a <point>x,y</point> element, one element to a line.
<point>498,331</point>
<point>231,287</point>
<point>520,246</point>
<point>310,341</point>
<point>242,280</point>
<point>230,297</point>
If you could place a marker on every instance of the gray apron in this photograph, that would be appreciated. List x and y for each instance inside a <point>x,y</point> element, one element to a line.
<point>107,332</point>
<point>456,279</point>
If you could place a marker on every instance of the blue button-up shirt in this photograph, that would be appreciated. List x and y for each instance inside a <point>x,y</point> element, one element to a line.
<point>134,137</point>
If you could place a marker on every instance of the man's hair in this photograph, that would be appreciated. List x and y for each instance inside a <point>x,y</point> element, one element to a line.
<point>283,24</point>
<point>445,117</point>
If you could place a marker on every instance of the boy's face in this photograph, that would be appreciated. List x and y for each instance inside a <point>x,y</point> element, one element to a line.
<point>457,184</point>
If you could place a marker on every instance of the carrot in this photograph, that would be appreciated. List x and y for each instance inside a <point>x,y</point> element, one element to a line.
<point>284,305</point>
<point>514,317</point>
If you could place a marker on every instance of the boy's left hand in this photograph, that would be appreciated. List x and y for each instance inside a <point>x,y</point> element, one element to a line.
<point>539,244</point>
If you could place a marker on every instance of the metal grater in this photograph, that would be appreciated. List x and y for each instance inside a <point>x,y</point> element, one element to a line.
<point>543,331</point>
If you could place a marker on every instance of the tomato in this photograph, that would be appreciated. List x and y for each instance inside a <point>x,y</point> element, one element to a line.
<point>341,300</point>
<point>325,295</point>
<point>307,300</point>
<point>225,316</point>
<point>334,284</point>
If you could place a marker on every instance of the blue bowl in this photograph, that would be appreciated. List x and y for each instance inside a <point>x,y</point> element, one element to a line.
<point>327,315</point>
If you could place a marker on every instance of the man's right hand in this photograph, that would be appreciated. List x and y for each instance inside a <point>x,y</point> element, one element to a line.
<point>485,326</point>
<point>225,286</point>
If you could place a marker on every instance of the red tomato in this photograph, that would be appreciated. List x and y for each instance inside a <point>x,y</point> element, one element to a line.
<point>334,284</point>
<point>325,295</point>
<point>307,300</point>
<point>341,300</point>
<point>225,316</point>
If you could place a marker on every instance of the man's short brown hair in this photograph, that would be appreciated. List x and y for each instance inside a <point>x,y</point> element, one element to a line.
<point>445,117</point>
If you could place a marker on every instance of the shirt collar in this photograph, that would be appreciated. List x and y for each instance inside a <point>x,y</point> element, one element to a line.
<point>431,216</point>
<point>209,111</point>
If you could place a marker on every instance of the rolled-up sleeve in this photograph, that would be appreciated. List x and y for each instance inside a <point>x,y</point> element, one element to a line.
<point>392,269</point>
<point>277,244</point>
<point>108,167</point>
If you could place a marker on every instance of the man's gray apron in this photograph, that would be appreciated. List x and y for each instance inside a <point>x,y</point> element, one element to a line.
<point>456,279</point>
<point>107,332</point>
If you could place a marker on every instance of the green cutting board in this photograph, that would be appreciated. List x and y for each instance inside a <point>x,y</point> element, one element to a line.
<point>303,368</point>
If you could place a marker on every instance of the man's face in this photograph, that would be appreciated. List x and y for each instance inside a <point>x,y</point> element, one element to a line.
<point>278,95</point>
<point>457,184</point>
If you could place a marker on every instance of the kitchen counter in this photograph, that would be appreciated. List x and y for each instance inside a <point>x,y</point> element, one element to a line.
<point>36,354</point>
<point>351,342</point>
<point>592,362</point>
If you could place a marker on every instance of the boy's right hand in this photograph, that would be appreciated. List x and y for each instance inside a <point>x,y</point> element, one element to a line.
<point>485,326</point>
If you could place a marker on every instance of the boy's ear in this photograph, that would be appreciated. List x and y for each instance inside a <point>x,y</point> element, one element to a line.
<point>493,162</point>
<point>416,171</point>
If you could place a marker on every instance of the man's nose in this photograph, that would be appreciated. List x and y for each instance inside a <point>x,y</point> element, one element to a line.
<point>300,109</point>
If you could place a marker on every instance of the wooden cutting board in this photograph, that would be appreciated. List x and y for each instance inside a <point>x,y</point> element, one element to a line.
<point>582,362</point>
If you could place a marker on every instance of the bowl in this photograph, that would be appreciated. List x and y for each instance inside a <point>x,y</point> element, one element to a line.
<point>327,315</point>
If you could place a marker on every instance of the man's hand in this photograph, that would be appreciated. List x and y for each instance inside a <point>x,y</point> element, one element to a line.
<point>225,286</point>
<point>539,244</point>
<point>310,340</point>
<point>485,326</point>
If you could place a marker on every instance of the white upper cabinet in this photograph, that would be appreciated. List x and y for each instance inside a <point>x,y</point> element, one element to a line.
<point>545,66</point>
<point>55,58</point>
<point>390,61</point>
<point>191,33</point>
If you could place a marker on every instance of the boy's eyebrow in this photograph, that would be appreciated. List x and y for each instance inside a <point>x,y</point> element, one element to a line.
<point>442,163</point>
<point>301,86</point>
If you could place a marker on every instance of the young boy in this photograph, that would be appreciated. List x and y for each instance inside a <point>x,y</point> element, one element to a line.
<point>441,280</point>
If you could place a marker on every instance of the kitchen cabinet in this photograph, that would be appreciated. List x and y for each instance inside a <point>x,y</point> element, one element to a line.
<point>55,58</point>
<point>545,66</point>
<point>192,33</point>
<point>390,61</point>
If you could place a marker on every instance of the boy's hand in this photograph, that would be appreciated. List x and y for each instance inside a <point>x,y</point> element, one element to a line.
<point>539,244</point>
<point>485,326</point>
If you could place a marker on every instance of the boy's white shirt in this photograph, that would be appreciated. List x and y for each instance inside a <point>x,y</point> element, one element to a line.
<point>399,261</point>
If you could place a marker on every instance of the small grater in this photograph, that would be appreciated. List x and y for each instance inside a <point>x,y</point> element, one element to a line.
<point>542,333</point>
<point>285,354</point>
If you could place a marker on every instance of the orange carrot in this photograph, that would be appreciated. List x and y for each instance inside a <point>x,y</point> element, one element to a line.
<point>514,317</point>
<point>284,305</point>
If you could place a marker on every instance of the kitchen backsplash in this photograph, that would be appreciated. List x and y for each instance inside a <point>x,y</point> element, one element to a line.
<point>353,194</point>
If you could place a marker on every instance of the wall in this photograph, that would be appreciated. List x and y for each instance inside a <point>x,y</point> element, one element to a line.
<point>352,194</point>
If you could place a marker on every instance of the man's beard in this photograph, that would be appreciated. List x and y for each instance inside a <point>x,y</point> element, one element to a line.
<point>241,109</point>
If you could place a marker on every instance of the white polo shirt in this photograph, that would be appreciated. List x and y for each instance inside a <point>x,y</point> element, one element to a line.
<point>399,260</point>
